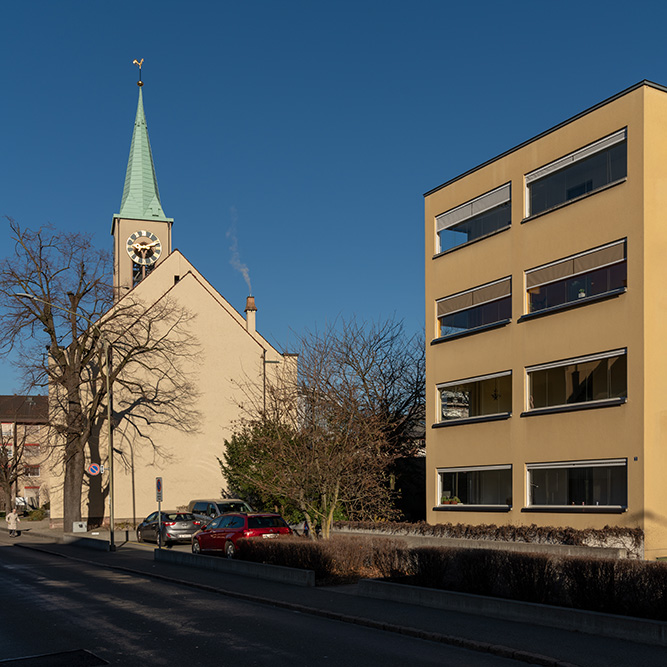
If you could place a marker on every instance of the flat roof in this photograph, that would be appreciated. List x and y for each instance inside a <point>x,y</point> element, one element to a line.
<point>645,82</point>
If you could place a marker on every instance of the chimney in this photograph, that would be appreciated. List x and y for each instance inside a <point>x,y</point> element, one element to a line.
<point>250,310</point>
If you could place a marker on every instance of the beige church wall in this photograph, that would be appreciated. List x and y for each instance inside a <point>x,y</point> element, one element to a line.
<point>228,364</point>
<point>228,372</point>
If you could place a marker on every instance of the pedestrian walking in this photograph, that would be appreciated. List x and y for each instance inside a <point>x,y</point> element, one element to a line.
<point>13,523</point>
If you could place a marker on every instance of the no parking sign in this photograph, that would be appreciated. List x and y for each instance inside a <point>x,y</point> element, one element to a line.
<point>158,489</point>
<point>94,469</point>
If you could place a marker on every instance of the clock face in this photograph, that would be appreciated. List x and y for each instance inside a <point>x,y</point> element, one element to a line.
<point>144,248</point>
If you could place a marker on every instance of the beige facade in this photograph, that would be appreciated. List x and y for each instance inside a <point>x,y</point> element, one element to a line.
<point>546,319</point>
<point>24,443</point>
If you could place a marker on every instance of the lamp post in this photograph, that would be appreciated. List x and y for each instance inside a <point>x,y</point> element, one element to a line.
<point>107,359</point>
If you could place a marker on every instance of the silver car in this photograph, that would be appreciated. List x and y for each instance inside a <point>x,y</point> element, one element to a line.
<point>209,509</point>
<point>171,527</point>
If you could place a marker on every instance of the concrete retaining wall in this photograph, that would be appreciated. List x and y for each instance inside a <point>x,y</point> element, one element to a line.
<point>86,542</point>
<point>590,622</point>
<point>285,575</point>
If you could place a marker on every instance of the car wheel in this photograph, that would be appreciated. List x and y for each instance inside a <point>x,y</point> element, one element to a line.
<point>139,536</point>
<point>158,540</point>
<point>230,549</point>
<point>196,549</point>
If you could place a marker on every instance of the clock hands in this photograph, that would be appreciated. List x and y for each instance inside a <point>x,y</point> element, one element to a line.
<point>139,247</point>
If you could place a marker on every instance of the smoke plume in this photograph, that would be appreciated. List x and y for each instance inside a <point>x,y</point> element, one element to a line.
<point>235,260</point>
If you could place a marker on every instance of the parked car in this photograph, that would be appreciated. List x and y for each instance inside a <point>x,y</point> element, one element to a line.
<point>223,533</point>
<point>174,527</point>
<point>209,509</point>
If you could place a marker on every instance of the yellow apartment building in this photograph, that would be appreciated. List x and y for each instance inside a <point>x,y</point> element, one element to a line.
<point>546,325</point>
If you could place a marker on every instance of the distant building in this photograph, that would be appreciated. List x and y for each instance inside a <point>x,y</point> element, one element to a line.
<point>233,360</point>
<point>23,438</point>
<point>547,322</point>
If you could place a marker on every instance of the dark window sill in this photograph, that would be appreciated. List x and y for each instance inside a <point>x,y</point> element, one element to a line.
<point>577,509</point>
<point>576,199</point>
<point>470,332</point>
<point>473,420</point>
<point>593,405</point>
<point>472,508</point>
<point>573,304</point>
<point>468,243</point>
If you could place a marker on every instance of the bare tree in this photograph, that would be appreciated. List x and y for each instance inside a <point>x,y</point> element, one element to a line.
<point>328,441</point>
<point>69,334</point>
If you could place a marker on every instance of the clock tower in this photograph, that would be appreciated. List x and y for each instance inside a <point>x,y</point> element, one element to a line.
<point>141,231</point>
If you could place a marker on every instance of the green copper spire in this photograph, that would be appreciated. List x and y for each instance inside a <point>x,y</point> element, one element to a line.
<point>141,198</point>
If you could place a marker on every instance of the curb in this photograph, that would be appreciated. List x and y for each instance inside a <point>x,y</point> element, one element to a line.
<point>460,642</point>
<point>643,630</point>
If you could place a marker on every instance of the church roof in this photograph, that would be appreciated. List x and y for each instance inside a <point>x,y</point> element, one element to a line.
<point>141,198</point>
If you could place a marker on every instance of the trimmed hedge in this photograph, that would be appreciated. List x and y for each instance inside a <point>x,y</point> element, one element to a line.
<point>624,587</point>
<point>632,538</point>
<point>339,560</point>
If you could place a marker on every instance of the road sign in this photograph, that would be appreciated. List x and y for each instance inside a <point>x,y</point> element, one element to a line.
<point>158,489</point>
<point>94,469</point>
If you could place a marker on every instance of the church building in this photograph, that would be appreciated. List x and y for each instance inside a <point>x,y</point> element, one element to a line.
<point>233,361</point>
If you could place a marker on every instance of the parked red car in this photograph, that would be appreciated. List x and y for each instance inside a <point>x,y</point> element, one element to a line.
<point>223,533</point>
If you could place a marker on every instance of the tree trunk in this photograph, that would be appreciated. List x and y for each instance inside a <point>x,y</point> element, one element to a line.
<point>7,491</point>
<point>74,461</point>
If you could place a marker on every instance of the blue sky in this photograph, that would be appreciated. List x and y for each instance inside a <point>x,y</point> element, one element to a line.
<point>309,129</point>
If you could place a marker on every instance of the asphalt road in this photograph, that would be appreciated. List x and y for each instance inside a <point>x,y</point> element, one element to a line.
<point>53,604</point>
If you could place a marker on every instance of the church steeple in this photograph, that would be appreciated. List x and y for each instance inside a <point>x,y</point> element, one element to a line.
<point>141,231</point>
<point>141,197</point>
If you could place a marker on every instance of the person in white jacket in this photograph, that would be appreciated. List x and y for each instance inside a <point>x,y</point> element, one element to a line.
<point>13,523</point>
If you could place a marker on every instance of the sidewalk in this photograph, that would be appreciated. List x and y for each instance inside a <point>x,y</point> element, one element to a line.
<point>524,642</point>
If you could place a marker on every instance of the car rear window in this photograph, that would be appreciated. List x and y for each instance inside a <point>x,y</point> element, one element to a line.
<point>181,516</point>
<point>231,507</point>
<point>266,522</point>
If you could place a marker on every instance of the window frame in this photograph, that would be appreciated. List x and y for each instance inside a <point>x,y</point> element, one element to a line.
<point>583,405</point>
<point>570,160</point>
<point>472,208</point>
<point>477,418</point>
<point>583,463</point>
<point>502,507</point>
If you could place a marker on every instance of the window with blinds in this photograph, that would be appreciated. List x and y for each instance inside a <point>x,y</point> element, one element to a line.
<point>593,273</point>
<point>584,171</point>
<point>475,219</point>
<point>475,308</point>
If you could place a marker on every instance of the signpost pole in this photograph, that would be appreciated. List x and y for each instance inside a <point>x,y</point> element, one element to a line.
<point>158,497</point>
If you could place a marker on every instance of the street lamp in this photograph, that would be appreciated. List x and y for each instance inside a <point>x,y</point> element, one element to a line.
<point>107,357</point>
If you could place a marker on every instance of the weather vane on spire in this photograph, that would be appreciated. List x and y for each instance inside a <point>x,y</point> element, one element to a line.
<point>139,63</point>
